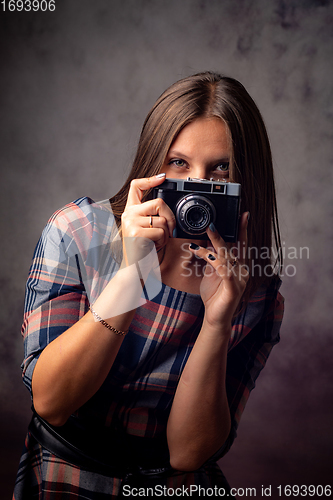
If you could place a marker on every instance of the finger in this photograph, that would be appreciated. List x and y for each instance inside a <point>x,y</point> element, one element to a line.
<point>156,235</point>
<point>219,245</point>
<point>139,186</point>
<point>155,222</point>
<point>165,215</point>
<point>158,209</point>
<point>224,266</point>
<point>209,256</point>
<point>134,225</point>
<point>231,251</point>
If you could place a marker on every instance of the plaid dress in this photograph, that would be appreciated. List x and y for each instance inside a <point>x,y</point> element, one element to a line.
<point>75,258</point>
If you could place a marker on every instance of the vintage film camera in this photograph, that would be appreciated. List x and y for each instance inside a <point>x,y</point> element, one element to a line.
<point>198,202</point>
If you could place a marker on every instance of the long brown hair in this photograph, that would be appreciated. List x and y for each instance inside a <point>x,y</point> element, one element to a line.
<point>212,95</point>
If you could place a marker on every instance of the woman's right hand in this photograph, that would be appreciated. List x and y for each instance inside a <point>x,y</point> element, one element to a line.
<point>152,220</point>
<point>72,367</point>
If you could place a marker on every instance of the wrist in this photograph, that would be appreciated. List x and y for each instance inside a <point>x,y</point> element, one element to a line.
<point>218,329</point>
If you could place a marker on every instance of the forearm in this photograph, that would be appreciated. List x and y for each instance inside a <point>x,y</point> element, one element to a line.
<point>72,367</point>
<point>199,421</point>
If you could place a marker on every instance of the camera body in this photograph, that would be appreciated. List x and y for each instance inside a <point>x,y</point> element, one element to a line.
<point>197,203</point>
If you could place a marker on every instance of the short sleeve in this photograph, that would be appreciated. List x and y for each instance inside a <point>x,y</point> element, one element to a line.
<point>67,271</point>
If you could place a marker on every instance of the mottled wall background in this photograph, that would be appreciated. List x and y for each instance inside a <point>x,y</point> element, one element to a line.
<point>75,86</point>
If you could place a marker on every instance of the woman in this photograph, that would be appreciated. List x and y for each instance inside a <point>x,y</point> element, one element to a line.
<point>133,388</point>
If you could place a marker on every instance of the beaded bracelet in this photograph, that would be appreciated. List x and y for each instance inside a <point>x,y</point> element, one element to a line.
<point>104,323</point>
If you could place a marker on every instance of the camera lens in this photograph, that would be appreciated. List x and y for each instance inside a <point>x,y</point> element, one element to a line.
<point>196,217</point>
<point>194,214</point>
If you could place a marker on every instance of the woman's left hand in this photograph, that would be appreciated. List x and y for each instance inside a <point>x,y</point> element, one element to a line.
<point>225,276</point>
<point>191,441</point>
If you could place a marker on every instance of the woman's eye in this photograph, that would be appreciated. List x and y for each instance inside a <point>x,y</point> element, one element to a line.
<point>223,167</point>
<point>179,163</point>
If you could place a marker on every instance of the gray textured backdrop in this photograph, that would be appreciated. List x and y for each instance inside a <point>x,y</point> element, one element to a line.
<point>75,86</point>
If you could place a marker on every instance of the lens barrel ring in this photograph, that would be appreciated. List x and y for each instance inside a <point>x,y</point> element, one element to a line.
<point>194,213</point>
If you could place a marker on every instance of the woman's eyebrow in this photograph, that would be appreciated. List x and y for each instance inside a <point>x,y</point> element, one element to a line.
<point>219,159</point>
<point>173,152</point>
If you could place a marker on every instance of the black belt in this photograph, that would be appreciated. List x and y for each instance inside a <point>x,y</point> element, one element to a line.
<point>136,461</point>
<point>107,453</point>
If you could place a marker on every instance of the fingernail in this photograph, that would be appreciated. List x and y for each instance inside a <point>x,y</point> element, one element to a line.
<point>194,246</point>
<point>159,176</point>
<point>248,216</point>
<point>212,227</point>
<point>174,233</point>
<point>211,257</point>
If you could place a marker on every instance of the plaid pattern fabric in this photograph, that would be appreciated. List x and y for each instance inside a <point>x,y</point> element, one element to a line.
<point>43,476</point>
<point>72,263</point>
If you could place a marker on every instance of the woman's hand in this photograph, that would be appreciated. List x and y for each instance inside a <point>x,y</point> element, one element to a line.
<point>152,220</point>
<point>72,368</point>
<point>225,276</point>
<point>201,395</point>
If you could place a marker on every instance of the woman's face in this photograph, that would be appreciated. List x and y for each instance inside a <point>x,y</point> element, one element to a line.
<point>201,150</point>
